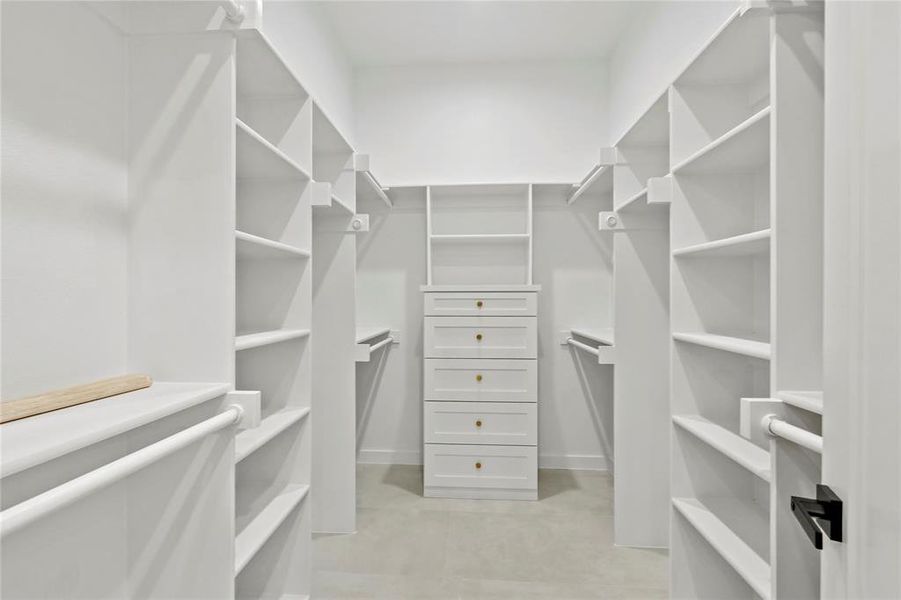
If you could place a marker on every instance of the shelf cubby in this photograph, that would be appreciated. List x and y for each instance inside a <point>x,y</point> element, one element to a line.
<point>250,440</point>
<point>257,158</point>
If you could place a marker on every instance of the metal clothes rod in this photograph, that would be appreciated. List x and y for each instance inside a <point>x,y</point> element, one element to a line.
<point>793,433</point>
<point>582,346</point>
<point>16,517</point>
<point>384,342</point>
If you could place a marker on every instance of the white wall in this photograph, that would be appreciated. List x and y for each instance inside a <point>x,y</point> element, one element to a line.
<point>500,122</point>
<point>654,50</point>
<point>303,35</point>
<point>64,191</point>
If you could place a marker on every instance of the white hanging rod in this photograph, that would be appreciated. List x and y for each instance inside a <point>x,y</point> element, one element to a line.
<point>384,342</point>
<point>779,428</point>
<point>234,12</point>
<point>378,188</point>
<point>584,347</point>
<point>16,517</point>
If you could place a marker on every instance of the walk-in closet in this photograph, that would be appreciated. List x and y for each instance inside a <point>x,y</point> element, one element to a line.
<point>457,299</point>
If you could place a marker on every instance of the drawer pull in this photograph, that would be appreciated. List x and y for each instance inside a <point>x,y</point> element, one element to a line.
<point>478,337</point>
<point>478,465</point>
<point>479,303</point>
<point>478,423</point>
<point>479,377</point>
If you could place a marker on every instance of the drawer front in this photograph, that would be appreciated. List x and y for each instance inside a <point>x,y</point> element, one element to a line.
<point>490,304</point>
<point>480,380</point>
<point>501,467</point>
<point>481,337</point>
<point>509,423</point>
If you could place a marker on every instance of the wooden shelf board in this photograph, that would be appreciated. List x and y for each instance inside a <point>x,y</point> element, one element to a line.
<point>811,400</point>
<point>250,440</point>
<point>29,442</point>
<point>258,531</point>
<point>257,158</point>
<point>747,244</point>
<point>264,338</point>
<point>743,148</point>
<point>726,343</point>
<point>747,563</point>
<point>747,454</point>
<point>601,336</point>
<point>251,246</point>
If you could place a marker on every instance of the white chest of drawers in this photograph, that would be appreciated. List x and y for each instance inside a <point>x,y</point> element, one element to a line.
<point>480,394</point>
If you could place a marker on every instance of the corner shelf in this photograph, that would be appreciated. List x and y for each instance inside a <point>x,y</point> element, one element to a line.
<point>265,524</point>
<point>740,149</point>
<point>250,440</point>
<point>265,338</point>
<point>735,345</point>
<point>746,244</point>
<point>257,158</point>
<point>747,563</point>
<point>251,247</point>
<point>745,453</point>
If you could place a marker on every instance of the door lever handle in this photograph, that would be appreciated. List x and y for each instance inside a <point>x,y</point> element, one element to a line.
<point>820,516</point>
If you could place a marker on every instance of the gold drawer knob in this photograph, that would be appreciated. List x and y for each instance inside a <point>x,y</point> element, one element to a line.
<point>478,423</point>
<point>479,377</point>
<point>478,465</point>
<point>479,303</point>
<point>478,337</point>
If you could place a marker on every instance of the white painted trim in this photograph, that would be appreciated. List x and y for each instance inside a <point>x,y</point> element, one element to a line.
<point>389,457</point>
<point>574,462</point>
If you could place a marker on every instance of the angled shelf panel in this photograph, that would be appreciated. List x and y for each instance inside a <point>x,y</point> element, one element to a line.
<point>257,158</point>
<point>811,400</point>
<point>747,244</point>
<point>745,453</point>
<point>261,71</point>
<point>258,532</point>
<point>599,180</point>
<point>264,338</point>
<point>747,563</point>
<point>742,148</point>
<point>601,336</point>
<point>250,440</point>
<point>251,246</point>
<point>734,345</point>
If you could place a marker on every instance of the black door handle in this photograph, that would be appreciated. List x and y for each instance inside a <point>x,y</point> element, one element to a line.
<point>823,515</point>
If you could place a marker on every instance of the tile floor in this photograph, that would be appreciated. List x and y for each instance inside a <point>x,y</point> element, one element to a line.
<point>559,547</point>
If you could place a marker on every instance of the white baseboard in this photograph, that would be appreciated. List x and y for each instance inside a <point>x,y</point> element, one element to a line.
<point>577,462</point>
<point>389,457</point>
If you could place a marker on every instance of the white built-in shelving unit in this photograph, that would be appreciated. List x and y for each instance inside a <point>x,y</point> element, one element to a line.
<point>273,308</point>
<point>746,227</point>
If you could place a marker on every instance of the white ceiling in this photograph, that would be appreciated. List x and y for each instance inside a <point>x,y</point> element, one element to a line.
<point>381,33</point>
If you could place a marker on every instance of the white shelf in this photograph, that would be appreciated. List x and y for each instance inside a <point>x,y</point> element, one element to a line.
<point>264,338</point>
<point>336,205</point>
<point>734,345</point>
<point>261,71</point>
<point>601,336</point>
<point>742,148</point>
<point>364,335</point>
<point>257,158</point>
<point>258,531</point>
<point>251,246</point>
<point>480,287</point>
<point>367,181</point>
<point>250,440</point>
<point>745,453</point>
<point>30,442</point>
<point>640,195</point>
<point>747,563</point>
<point>808,400</point>
<point>757,242</point>
<point>480,237</point>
